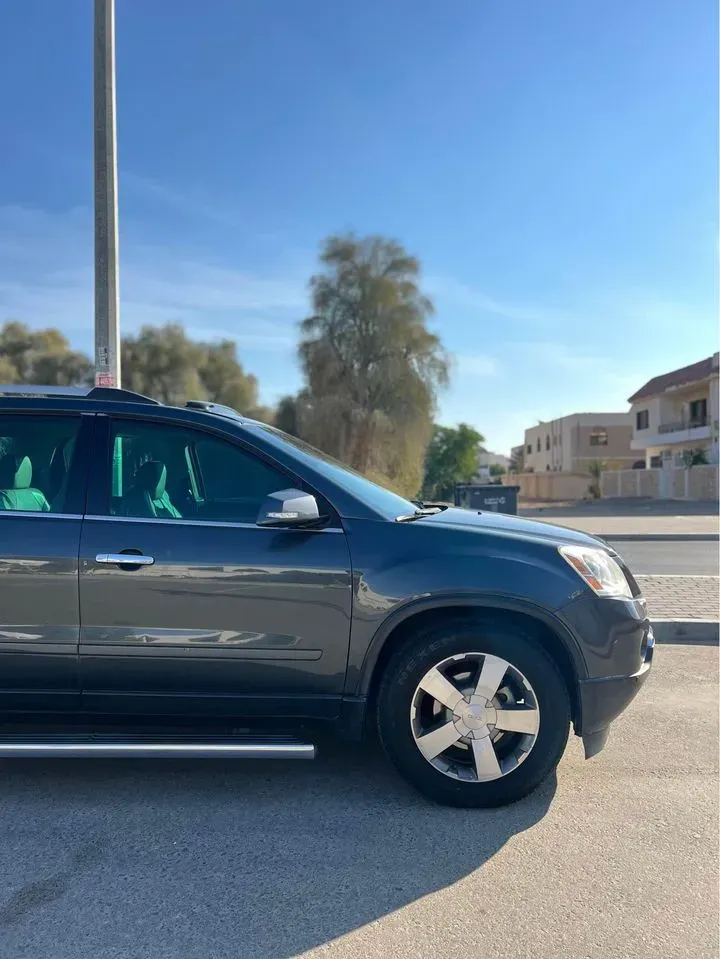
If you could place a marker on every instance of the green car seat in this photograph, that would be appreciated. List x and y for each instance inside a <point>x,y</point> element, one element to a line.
<point>16,492</point>
<point>147,496</point>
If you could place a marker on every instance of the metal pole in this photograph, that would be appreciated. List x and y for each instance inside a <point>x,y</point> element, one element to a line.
<point>107,319</point>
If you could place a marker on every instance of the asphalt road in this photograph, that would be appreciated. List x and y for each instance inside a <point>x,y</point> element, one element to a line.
<point>664,557</point>
<point>339,859</point>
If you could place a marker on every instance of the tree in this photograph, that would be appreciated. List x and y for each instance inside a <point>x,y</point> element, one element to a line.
<point>372,367</point>
<point>596,468</point>
<point>288,413</point>
<point>497,470</point>
<point>452,458</point>
<point>517,459</point>
<point>696,457</point>
<point>159,361</point>
<point>162,362</point>
<point>224,379</point>
<point>40,356</point>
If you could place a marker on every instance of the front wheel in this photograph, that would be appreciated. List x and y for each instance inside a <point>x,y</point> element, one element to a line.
<point>472,713</point>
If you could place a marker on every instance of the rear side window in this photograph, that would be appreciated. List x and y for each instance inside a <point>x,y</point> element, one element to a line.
<point>36,457</point>
<point>170,472</point>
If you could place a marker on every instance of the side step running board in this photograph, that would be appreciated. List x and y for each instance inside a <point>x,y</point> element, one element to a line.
<point>119,746</point>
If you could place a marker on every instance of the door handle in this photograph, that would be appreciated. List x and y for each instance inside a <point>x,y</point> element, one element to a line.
<point>124,559</point>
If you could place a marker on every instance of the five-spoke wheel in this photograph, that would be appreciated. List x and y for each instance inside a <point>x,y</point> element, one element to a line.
<point>473,712</point>
<point>475,717</point>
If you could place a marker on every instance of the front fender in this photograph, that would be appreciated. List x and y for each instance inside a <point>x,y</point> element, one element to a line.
<point>470,600</point>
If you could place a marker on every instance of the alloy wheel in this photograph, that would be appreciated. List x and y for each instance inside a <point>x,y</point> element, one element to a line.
<point>475,717</point>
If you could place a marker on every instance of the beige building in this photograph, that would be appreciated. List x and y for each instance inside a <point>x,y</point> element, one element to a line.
<point>676,414</point>
<point>486,459</point>
<point>569,444</point>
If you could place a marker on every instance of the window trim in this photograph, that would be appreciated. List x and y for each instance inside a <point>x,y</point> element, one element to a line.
<point>31,514</point>
<point>152,520</point>
<point>100,481</point>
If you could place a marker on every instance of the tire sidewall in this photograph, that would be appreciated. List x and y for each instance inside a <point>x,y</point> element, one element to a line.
<point>412,662</point>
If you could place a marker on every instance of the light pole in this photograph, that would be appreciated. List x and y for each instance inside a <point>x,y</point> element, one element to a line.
<point>107,319</point>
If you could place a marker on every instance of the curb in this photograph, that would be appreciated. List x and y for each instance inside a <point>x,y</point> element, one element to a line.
<point>691,632</point>
<point>659,537</point>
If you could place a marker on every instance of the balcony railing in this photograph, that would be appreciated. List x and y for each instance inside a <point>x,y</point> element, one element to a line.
<point>681,425</point>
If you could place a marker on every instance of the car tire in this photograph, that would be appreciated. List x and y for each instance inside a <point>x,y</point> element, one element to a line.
<point>459,776</point>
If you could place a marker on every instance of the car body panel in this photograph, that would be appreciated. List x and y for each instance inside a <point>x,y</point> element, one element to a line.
<point>230,618</point>
<point>39,640</point>
<point>223,612</point>
<point>39,665</point>
<point>402,568</point>
<point>239,620</point>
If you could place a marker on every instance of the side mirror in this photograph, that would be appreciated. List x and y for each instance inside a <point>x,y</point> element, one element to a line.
<point>287,508</point>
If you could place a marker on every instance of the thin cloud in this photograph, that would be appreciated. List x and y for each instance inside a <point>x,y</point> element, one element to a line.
<point>452,291</point>
<point>183,201</point>
<point>476,364</point>
<point>46,279</point>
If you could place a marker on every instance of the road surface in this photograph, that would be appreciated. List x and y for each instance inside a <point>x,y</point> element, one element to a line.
<point>678,558</point>
<point>339,860</point>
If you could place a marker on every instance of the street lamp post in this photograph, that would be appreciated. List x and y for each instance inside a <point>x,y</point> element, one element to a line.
<point>107,319</point>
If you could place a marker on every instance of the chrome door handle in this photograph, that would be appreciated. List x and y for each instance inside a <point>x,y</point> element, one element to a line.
<point>124,559</point>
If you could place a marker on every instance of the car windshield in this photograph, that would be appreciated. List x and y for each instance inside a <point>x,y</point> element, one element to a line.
<point>376,497</point>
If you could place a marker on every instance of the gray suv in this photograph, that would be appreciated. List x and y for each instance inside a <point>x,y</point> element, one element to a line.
<point>190,582</point>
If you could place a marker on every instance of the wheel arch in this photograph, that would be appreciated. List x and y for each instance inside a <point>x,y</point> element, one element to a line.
<point>539,624</point>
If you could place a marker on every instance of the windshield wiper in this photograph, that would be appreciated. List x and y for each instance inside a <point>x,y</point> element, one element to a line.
<point>419,513</point>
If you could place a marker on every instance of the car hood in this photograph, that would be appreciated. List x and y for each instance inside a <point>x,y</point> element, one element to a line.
<point>503,524</point>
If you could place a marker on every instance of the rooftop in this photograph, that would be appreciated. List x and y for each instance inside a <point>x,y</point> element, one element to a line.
<point>694,373</point>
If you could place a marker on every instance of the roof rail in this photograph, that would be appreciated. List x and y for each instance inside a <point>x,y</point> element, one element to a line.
<point>77,392</point>
<point>119,395</point>
<point>31,389</point>
<point>217,408</point>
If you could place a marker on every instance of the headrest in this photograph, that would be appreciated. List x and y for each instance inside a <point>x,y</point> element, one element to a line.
<point>15,472</point>
<point>151,478</point>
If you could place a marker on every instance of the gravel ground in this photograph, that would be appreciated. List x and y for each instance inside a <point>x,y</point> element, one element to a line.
<point>338,858</point>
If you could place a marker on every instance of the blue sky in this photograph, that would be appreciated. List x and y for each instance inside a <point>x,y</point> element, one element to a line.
<point>553,165</point>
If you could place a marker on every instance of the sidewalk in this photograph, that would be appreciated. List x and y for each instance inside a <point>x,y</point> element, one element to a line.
<point>683,609</point>
<point>681,597</point>
<point>633,527</point>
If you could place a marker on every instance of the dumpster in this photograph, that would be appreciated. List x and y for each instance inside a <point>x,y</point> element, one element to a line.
<point>488,497</point>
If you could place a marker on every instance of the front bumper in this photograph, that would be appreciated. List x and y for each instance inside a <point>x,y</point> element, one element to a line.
<point>602,700</point>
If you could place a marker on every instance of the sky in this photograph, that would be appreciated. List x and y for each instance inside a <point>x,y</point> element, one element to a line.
<point>553,166</point>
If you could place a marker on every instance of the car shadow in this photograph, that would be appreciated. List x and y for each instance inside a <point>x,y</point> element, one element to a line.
<point>210,859</point>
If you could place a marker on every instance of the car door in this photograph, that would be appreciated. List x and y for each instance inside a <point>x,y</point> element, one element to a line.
<point>43,465</point>
<point>227,617</point>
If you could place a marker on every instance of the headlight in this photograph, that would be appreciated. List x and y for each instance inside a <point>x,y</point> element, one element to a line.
<point>599,570</point>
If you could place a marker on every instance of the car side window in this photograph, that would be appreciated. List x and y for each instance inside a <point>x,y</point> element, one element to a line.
<point>167,472</point>
<point>36,456</point>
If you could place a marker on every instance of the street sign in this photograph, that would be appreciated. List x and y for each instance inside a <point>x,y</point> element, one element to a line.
<point>104,379</point>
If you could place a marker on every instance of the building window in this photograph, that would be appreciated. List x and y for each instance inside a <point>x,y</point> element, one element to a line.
<point>538,444</point>
<point>554,440</point>
<point>547,442</point>
<point>599,438</point>
<point>548,467</point>
<point>529,448</point>
<point>642,419</point>
<point>698,412</point>
<point>655,462</point>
